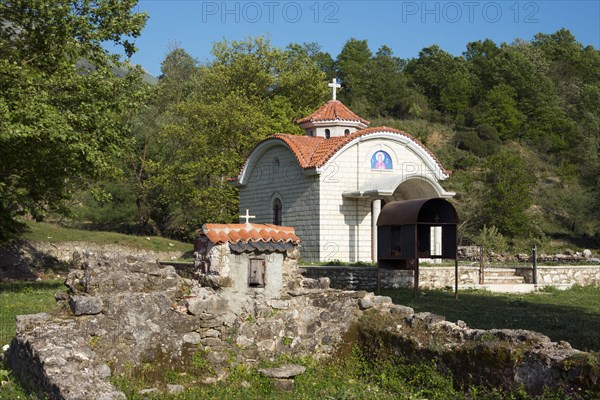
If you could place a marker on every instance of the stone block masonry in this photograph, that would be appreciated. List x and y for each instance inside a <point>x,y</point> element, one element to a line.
<point>365,278</point>
<point>23,258</point>
<point>502,358</point>
<point>128,312</point>
<point>562,275</point>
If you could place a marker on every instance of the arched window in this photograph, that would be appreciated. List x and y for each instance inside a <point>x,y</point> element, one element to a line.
<point>277,212</point>
<point>327,133</point>
<point>275,167</point>
<point>346,132</point>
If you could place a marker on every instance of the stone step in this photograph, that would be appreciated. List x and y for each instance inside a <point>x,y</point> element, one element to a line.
<point>502,288</point>
<point>503,279</point>
<point>500,271</point>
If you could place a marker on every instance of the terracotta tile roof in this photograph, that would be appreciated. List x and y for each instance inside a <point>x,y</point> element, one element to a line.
<point>314,151</point>
<point>304,147</point>
<point>245,233</point>
<point>331,146</point>
<point>333,110</point>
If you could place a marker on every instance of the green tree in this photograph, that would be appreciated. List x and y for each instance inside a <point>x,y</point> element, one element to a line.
<point>525,68</point>
<point>313,50</point>
<point>483,141</point>
<point>499,109</point>
<point>388,90</point>
<point>484,61</point>
<point>353,64</point>
<point>444,79</point>
<point>248,92</point>
<point>61,119</point>
<point>507,194</point>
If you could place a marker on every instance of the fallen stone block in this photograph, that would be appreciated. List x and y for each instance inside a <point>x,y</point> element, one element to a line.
<point>284,372</point>
<point>86,305</point>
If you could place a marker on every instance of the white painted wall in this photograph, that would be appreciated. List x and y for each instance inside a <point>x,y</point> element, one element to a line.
<point>298,194</point>
<point>330,226</point>
<point>345,229</point>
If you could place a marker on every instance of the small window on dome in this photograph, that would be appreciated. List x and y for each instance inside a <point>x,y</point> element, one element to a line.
<point>346,132</point>
<point>327,133</point>
<point>275,166</point>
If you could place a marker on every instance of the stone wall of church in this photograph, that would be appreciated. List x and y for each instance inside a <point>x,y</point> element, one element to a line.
<point>278,175</point>
<point>346,223</point>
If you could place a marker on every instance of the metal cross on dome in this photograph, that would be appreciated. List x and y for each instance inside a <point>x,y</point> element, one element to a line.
<point>247,216</point>
<point>334,85</point>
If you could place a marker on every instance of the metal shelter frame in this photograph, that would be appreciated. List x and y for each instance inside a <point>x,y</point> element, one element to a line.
<point>404,236</point>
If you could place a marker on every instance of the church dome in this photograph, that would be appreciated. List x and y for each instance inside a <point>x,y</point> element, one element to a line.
<point>332,119</point>
<point>333,111</point>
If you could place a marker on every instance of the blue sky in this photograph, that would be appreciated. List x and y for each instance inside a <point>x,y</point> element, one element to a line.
<point>405,26</point>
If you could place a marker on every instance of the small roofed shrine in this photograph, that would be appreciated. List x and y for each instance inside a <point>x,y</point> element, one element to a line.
<point>331,182</point>
<point>248,259</point>
<point>415,229</point>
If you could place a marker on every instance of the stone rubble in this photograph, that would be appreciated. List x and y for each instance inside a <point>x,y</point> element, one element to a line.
<point>502,358</point>
<point>128,312</point>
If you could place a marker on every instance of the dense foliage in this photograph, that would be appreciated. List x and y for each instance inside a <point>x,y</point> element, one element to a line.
<point>518,123</point>
<point>61,107</point>
<point>200,126</point>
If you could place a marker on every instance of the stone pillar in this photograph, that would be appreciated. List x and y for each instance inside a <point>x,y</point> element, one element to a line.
<point>376,209</point>
<point>437,243</point>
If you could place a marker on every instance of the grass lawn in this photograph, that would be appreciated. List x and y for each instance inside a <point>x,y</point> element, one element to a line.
<point>24,298</point>
<point>18,298</point>
<point>55,233</point>
<point>572,315</point>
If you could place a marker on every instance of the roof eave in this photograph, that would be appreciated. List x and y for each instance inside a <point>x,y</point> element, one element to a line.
<point>333,122</point>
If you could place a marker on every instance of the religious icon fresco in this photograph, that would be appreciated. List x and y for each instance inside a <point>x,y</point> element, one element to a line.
<point>381,160</point>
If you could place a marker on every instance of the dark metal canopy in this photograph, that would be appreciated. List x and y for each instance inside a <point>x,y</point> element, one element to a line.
<point>404,234</point>
<point>410,212</point>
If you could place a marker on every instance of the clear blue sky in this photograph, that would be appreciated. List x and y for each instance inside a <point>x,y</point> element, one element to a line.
<point>405,26</point>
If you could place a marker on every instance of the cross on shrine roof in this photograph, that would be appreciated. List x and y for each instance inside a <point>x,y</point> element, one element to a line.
<point>334,85</point>
<point>247,216</point>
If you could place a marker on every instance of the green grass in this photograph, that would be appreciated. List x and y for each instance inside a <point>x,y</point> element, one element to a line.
<point>24,298</point>
<point>351,377</point>
<point>16,299</point>
<point>54,233</point>
<point>572,315</point>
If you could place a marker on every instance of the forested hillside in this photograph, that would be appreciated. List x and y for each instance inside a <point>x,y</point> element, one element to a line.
<point>518,124</point>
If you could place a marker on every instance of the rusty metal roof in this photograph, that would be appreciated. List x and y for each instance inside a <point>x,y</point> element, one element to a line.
<point>410,212</point>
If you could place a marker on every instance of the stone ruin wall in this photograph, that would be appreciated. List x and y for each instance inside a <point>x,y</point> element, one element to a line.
<point>121,311</point>
<point>365,278</point>
<point>20,259</point>
<point>502,358</point>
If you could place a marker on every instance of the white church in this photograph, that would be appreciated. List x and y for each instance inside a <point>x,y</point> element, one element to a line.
<point>331,183</point>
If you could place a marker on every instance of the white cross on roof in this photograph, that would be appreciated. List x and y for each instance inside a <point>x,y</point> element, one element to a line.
<point>334,85</point>
<point>247,216</point>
